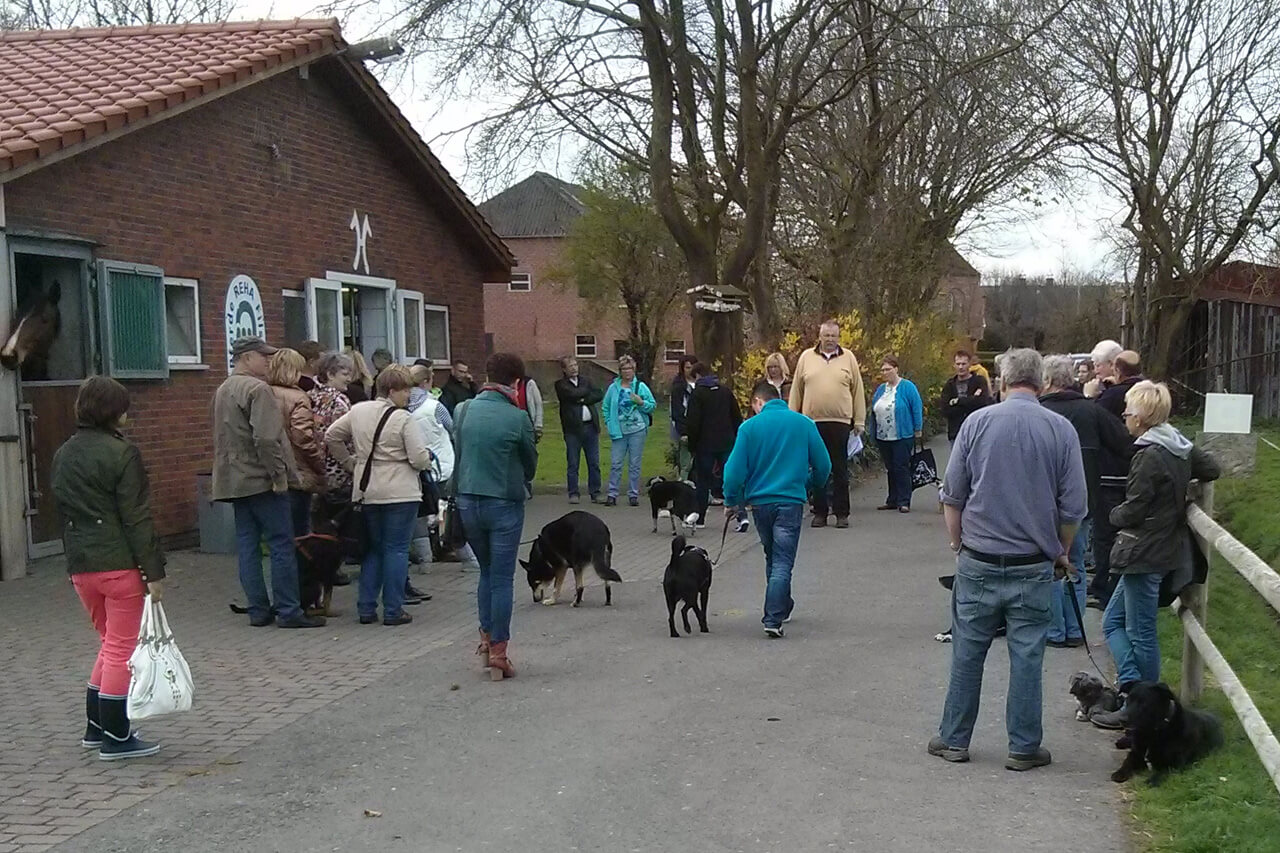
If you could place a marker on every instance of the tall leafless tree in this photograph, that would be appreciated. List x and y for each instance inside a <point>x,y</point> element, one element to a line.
<point>1182,99</point>
<point>61,14</point>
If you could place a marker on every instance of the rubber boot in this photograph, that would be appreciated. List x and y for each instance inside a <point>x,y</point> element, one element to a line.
<point>483,648</point>
<point>499,666</point>
<point>118,742</point>
<point>93,726</point>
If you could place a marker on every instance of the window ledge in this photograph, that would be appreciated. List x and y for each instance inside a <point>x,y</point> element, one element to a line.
<point>189,367</point>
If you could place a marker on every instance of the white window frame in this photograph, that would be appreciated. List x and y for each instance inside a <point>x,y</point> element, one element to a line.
<point>313,327</point>
<point>666,350</point>
<point>410,301</point>
<point>193,285</point>
<point>448,334</point>
<point>578,345</point>
<point>527,282</point>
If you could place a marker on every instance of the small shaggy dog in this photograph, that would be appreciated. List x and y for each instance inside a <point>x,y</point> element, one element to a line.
<point>1093,696</point>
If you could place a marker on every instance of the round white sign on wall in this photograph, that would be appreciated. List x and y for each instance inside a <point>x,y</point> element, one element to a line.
<point>243,315</point>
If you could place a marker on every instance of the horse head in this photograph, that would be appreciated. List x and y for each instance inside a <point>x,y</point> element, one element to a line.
<point>35,328</point>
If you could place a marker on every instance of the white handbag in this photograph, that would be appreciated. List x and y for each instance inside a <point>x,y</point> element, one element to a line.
<point>161,680</point>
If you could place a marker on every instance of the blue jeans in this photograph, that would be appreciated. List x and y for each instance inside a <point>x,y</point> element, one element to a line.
<point>986,596</point>
<point>1129,624</point>
<point>1065,626</point>
<point>300,511</point>
<point>586,440</point>
<point>632,447</point>
<point>493,527</point>
<point>897,464</point>
<point>779,528</point>
<point>385,567</point>
<point>267,516</point>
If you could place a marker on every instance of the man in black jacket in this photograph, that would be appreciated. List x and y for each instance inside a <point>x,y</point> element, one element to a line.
<point>963,394</point>
<point>1104,442</point>
<point>711,424</point>
<point>1128,368</point>
<point>580,421</point>
<point>460,387</point>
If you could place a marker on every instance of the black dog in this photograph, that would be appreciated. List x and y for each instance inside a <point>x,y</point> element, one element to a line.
<point>1164,733</point>
<point>1093,695</point>
<point>573,541</point>
<point>687,579</point>
<point>319,555</point>
<point>676,496</point>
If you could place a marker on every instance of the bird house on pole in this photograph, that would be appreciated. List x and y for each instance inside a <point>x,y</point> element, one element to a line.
<point>718,315</point>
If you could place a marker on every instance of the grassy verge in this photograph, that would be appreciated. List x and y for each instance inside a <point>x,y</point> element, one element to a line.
<point>1227,802</point>
<point>552,466</point>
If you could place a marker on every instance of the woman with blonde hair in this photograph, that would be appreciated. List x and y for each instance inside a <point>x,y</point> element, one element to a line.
<point>360,388</point>
<point>1152,538</point>
<point>777,374</point>
<point>306,475</point>
<point>628,405</point>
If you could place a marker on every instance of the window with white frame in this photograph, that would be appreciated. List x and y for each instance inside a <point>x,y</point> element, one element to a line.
<point>673,352</point>
<point>182,319</point>
<point>520,281</point>
<point>585,346</point>
<point>435,326</point>
<point>411,338</point>
<point>295,318</point>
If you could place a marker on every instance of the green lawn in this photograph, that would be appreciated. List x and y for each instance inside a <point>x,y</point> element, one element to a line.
<point>1227,803</point>
<point>551,461</point>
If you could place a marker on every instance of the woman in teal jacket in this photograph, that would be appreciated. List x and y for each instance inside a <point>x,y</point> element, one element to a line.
<point>897,422</point>
<point>627,407</point>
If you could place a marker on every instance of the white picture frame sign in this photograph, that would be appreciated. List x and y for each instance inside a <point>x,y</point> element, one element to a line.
<point>1228,413</point>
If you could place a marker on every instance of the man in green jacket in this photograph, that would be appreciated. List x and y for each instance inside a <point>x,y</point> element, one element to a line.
<point>496,462</point>
<point>251,462</point>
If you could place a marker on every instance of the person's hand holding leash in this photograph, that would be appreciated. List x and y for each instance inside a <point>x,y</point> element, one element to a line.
<point>1062,568</point>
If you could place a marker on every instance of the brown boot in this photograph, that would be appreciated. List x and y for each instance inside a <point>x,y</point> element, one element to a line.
<point>499,666</point>
<point>483,649</point>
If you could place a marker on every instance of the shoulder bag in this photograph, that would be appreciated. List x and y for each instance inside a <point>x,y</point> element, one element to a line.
<point>355,531</point>
<point>452,534</point>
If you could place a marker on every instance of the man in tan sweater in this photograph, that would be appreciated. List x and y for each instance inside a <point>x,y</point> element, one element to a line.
<point>827,388</point>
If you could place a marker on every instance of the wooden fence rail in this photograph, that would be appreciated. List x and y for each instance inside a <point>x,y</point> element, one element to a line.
<point>1198,650</point>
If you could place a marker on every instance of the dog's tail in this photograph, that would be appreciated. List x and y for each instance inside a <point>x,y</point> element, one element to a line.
<point>603,562</point>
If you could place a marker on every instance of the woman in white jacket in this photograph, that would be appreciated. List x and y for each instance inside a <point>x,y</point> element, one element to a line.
<point>430,415</point>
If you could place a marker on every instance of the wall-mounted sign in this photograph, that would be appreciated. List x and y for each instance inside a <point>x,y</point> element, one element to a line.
<point>363,233</point>
<point>244,312</point>
<point>1228,413</point>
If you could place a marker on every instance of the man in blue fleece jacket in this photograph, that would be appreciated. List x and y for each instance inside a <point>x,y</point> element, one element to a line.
<point>777,455</point>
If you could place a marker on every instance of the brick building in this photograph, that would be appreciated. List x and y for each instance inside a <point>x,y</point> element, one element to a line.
<point>542,319</point>
<point>960,295</point>
<point>187,184</point>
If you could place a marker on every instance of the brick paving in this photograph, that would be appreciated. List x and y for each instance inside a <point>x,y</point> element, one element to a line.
<point>250,681</point>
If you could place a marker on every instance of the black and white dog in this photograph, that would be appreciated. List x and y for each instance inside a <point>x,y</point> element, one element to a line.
<point>676,496</point>
<point>574,541</point>
<point>1093,695</point>
<point>687,579</point>
<point>1164,733</point>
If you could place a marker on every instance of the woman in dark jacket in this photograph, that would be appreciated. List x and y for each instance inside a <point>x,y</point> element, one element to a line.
<point>681,388</point>
<point>1152,538</point>
<point>113,556</point>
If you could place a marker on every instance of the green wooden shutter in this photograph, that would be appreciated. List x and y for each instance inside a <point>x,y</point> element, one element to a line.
<point>133,321</point>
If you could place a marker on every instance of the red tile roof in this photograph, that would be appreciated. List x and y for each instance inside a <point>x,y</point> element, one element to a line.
<point>60,88</point>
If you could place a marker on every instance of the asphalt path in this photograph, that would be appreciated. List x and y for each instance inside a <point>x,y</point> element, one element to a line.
<point>615,737</point>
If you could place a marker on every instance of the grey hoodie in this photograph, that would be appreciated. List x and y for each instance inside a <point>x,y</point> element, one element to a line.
<point>1167,436</point>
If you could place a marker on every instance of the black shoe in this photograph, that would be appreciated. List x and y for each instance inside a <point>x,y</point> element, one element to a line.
<point>610,501</point>
<point>369,620</point>
<point>1111,720</point>
<point>633,501</point>
<point>818,521</point>
<point>341,579</point>
<point>303,621</point>
<point>411,591</point>
<point>411,602</point>
<point>954,754</point>
<point>402,619</point>
<point>262,621</point>
<point>118,741</point>
<point>1095,602</point>
<point>1019,761</point>
<point>842,522</point>
<point>595,499</point>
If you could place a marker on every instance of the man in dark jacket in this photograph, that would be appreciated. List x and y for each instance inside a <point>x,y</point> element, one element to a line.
<point>963,394</point>
<point>1101,437</point>
<point>580,422</point>
<point>460,386</point>
<point>1114,473</point>
<point>1128,368</point>
<point>712,427</point>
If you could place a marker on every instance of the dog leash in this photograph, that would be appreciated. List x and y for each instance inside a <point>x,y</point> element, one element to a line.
<point>724,534</point>
<point>1075,607</point>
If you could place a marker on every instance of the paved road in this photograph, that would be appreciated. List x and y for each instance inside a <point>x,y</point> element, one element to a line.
<point>616,737</point>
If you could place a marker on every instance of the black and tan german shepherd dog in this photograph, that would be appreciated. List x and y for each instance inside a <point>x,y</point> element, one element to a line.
<point>574,541</point>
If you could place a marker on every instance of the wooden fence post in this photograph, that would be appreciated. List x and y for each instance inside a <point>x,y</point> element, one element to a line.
<point>1196,599</point>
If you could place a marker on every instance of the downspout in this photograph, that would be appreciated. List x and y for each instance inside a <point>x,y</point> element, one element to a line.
<point>13,517</point>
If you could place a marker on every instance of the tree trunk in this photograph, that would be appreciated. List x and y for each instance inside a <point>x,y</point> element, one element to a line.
<point>1168,326</point>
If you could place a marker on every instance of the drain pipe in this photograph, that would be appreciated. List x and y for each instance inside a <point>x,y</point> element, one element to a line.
<point>13,490</point>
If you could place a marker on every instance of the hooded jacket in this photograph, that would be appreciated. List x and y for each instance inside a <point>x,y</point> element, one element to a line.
<point>1152,521</point>
<point>713,418</point>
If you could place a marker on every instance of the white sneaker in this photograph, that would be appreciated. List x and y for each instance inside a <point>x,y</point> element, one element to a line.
<point>743,525</point>
<point>788,619</point>
<point>773,633</point>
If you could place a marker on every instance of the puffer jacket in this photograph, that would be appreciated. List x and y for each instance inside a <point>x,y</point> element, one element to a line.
<point>1151,524</point>
<point>102,493</point>
<point>307,473</point>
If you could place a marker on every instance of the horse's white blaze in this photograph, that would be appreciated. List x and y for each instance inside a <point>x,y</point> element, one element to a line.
<point>11,345</point>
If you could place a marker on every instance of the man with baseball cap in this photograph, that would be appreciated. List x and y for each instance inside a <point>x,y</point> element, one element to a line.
<point>251,461</point>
